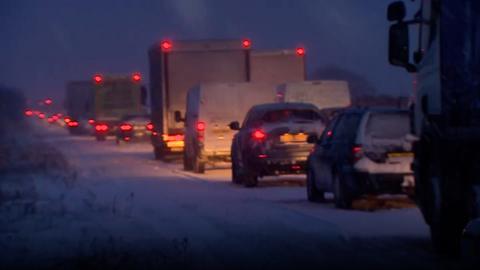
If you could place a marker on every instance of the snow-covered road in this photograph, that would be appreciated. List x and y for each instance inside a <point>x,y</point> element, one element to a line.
<point>128,210</point>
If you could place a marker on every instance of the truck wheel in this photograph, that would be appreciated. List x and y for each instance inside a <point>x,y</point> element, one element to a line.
<point>158,153</point>
<point>236,170</point>
<point>198,166</point>
<point>313,194</point>
<point>187,163</point>
<point>250,179</point>
<point>343,198</point>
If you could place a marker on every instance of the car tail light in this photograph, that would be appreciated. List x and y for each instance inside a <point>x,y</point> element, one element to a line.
<point>300,51</point>
<point>126,127</point>
<point>259,135</point>
<point>67,119</point>
<point>72,123</point>
<point>329,133</point>
<point>357,152</point>
<point>97,78</point>
<point>200,126</point>
<point>296,167</point>
<point>246,43</point>
<point>41,115</point>
<point>262,156</point>
<point>55,117</point>
<point>136,77</point>
<point>127,139</point>
<point>48,101</point>
<point>91,121</point>
<point>50,120</point>
<point>166,45</point>
<point>101,127</point>
<point>28,112</point>
<point>150,126</point>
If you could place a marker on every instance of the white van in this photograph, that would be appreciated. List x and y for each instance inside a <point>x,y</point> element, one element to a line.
<point>323,94</point>
<point>211,107</point>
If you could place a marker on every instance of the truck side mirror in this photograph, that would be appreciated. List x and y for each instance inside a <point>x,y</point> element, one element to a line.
<point>234,125</point>
<point>396,11</point>
<point>312,138</point>
<point>178,117</point>
<point>399,46</point>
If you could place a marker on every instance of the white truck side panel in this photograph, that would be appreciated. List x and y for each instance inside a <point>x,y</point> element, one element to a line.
<point>323,94</point>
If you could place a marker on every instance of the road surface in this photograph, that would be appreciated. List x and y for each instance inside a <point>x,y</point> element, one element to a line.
<point>127,210</point>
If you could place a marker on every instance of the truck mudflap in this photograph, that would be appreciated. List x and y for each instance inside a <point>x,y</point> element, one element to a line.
<point>471,242</point>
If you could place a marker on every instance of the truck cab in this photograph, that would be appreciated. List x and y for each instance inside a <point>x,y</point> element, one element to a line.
<point>445,112</point>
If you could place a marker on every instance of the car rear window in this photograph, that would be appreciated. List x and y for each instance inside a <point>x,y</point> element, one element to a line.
<point>287,115</point>
<point>388,125</point>
<point>346,129</point>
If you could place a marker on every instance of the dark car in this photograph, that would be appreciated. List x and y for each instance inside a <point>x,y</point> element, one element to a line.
<point>273,140</point>
<point>362,151</point>
<point>134,128</point>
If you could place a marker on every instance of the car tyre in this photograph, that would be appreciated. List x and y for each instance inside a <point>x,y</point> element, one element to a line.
<point>237,177</point>
<point>313,193</point>
<point>250,179</point>
<point>343,198</point>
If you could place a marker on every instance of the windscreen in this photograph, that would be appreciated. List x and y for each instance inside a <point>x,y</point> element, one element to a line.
<point>290,115</point>
<point>387,125</point>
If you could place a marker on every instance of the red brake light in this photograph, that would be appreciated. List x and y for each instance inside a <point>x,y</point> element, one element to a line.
<point>300,51</point>
<point>357,152</point>
<point>101,127</point>
<point>41,115</point>
<point>329,133</point>
<point>246,43</point>
<point>72,123</point>
<point>201,126</point>
<point>91,121</point>
<point>259,134</point>
<point>166,45</point>
<point>28,112</point>
<point>67,119</point>
<point>126,127</point>
<point>97,78</point>
<point>136,77</point>
<point>150,126</point>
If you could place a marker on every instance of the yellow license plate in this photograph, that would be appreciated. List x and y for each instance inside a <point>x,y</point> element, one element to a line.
<point>396,155</point>
<point>175,144</point>
<point>300,137</point>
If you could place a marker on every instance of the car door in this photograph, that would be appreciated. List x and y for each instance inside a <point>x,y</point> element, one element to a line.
<point>324,155</point>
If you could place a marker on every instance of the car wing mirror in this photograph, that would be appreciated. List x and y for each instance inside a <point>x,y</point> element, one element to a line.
<point>178,117</point>
<point>234,125</point>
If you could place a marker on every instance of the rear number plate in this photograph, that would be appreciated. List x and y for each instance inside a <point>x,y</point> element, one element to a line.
<point>300,137</point>
<point>397,155</point>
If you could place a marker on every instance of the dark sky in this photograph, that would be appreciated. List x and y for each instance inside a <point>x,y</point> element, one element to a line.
<point>45,43</point>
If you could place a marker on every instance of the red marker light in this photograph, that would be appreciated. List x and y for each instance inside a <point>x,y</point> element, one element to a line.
<point>201,126</point>
<point>28,112</point>
<point>91,121</point>
<point>300,51</point>
<point>246,43</point>
<point>48,101</point>
<point>259,134</point>
<point>97,78</point>
<point>150,126</point>
<point>136,77</point>
<point>166,45</point>
<point>72,123</point>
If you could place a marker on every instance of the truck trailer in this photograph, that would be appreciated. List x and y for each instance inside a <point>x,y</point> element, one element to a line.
<point>175,67</point>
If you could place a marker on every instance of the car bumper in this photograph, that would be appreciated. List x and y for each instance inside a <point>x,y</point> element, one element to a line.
<point>392,183</point>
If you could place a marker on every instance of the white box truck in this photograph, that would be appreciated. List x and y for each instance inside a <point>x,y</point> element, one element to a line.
<point>211,107</point>
<point>175,67</point>
<point>278,66</point>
